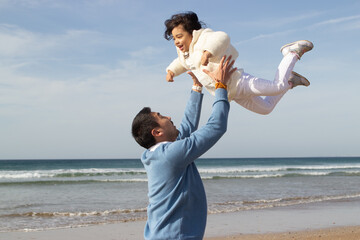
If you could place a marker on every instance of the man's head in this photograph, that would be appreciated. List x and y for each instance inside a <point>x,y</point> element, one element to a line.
<point>149,128</point>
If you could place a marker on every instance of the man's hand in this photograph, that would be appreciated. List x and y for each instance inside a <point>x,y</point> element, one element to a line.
<point>170,76</point>
<point>205,58</point>
<point>194,78</point>
<point>223,72</point>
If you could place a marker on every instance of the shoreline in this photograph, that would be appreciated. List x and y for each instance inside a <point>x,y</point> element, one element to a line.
<point>330,220</point>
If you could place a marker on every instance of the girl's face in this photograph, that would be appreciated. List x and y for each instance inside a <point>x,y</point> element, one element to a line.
<point>182,38</point>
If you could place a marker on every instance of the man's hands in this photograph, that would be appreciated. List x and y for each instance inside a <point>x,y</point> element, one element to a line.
<point>223,72</point>
<point>196,82</point>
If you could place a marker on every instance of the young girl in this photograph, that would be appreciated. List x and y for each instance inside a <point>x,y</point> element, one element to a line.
<point>200,49</point>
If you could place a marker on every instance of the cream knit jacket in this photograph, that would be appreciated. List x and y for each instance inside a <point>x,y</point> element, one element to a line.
<point>218,44</point>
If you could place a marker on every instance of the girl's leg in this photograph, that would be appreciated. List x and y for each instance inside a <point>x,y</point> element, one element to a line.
<point>253,86</point>
<point>258,104</point>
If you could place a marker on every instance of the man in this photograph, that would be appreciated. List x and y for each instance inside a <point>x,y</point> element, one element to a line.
<point>177,202</point>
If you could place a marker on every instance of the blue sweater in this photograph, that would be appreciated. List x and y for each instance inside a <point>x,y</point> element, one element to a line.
<point>177,202</point>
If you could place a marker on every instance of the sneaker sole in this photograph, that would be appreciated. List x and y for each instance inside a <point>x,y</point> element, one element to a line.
<point>307,83</point>
<point>289,44</point>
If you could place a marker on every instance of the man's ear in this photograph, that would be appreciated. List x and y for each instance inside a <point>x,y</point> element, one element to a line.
<point>157,132</point>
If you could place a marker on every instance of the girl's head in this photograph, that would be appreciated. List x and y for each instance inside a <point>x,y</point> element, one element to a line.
<point>188,20</point>
<point>180,27</point>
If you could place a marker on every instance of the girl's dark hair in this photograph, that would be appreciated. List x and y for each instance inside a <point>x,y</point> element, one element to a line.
<point>142,126</point>
<point>189,20</point>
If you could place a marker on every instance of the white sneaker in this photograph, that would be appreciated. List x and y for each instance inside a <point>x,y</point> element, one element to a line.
<point>298,47</point>
<point>296,80</point>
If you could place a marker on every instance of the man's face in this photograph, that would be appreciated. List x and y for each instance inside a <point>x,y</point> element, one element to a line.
<point>182,39</point>
<point>167,126</point>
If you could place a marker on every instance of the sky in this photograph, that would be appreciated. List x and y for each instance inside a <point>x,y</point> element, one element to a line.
<point>73,74</point>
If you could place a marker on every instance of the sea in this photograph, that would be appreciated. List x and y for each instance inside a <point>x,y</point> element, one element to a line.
<point>50,194</point>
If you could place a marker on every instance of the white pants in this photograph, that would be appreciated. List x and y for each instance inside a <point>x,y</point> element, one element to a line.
<point>250,88</point>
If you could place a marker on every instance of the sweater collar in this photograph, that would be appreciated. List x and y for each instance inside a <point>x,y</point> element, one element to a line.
<point>156,146</point>
<point>195,36</point>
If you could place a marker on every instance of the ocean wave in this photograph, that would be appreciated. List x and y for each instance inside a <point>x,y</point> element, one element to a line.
<point>67,173</point>
<point>88,175</point>
<point>255,169</point>
<point>281,175</point>
<point>88,181</point>
<point>221,207</point>
<point>325,167</point>
<point>21,206</point>
<point>95,172</point>
<point>233,206</point>
<point>73,214</point>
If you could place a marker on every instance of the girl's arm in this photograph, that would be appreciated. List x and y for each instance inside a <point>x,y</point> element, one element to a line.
<point>215,44</point>
<point>176,68</point>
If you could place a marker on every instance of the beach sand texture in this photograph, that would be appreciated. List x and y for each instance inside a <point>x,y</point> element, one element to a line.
<point>114,232</point>
<point>343,233</point>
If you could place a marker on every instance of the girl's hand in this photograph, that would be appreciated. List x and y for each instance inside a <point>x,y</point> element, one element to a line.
<point>170,76</point>
<point>205,58</point>
<point>223,72</point>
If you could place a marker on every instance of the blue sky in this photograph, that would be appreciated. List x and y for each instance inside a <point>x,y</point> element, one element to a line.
<point>73,74</point>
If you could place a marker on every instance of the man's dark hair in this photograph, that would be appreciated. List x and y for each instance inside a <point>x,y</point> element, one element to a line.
<point>143,123</point>
<point>189,20</point>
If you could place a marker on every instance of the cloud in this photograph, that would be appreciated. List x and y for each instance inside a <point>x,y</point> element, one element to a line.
<point>28,61</point>
<point>348,23</point>
<point>275,23</point>
<point>264,36</point>
<point>109,87</point>
<point>74,118</point>
<point>279,22</point>
<point>29,3</point>
<point>145,52</point>
<point>336,21</point>
<point>69,5</point>
<point>18,42</point>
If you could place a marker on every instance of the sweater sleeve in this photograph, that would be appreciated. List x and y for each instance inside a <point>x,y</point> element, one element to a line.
<point>190,121</point>
<point>216,43</point>
<point>176,67</point>
<point>183,152</point>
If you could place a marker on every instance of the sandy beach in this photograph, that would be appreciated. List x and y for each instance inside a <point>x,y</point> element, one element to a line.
<point>332,220</point>
<point>343,233</point>
<point>113,232</point>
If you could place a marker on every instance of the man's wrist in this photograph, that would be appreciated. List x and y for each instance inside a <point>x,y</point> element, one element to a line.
<point>197,88</point>
<point>220,85</point>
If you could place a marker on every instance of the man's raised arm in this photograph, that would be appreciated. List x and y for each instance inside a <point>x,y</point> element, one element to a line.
<point>184,151</point>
